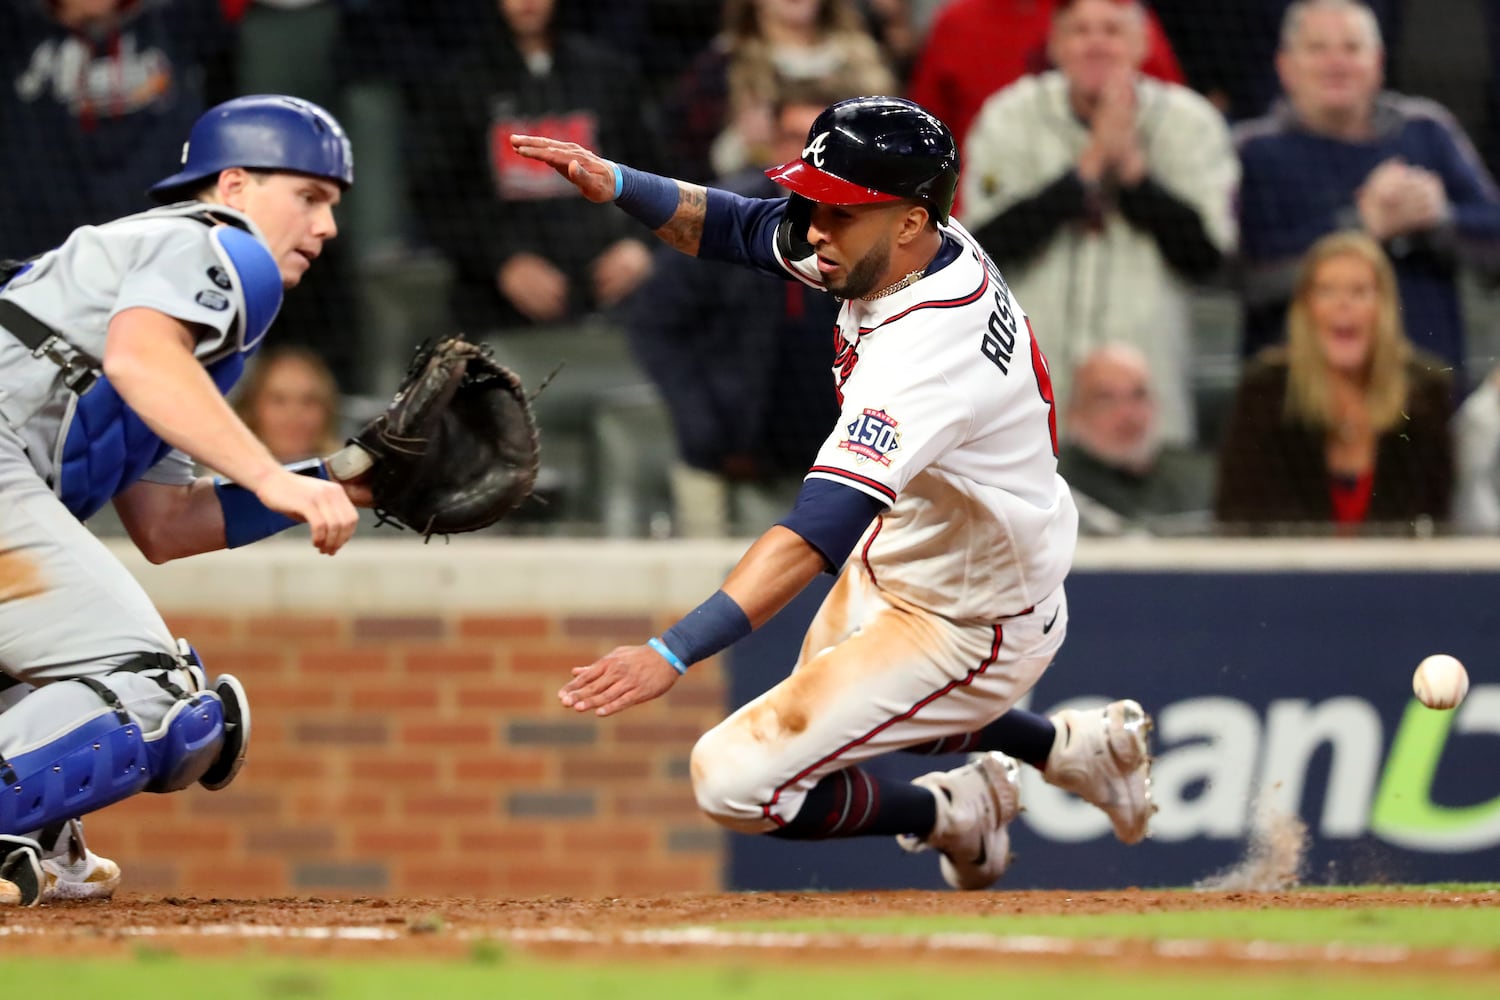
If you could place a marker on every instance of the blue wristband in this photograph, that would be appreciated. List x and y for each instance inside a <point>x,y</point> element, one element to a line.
<point>711,627</point>
<point>651,198</point>
<point>248,520</point>
<point>668,655</point>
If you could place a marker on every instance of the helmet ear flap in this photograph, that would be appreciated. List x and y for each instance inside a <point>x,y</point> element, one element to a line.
<point>799,211</point>
<point>791,235</point>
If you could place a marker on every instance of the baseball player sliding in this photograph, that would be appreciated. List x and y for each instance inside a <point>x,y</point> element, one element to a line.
<point>940,480</point>
<point>115,351</point>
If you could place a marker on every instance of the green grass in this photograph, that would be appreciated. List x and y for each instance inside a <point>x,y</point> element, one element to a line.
<point>517,979</point>
<point>491,969</point>
<point>1419,927</point>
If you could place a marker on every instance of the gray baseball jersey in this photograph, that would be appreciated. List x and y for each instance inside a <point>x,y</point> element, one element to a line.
<point>69,607</point>
<point>160,260</point>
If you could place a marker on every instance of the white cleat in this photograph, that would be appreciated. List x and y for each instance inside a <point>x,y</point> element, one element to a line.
<point>975,804</point>
<point>90,877</point>
<point>76,872</point>
<point>1104,757</point>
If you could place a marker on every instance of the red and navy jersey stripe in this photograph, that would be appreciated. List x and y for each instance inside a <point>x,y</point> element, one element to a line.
<point>955,303</point>
<point>854,477</point>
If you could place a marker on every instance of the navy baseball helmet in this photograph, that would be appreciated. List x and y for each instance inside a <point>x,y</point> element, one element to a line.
<point>262,132</point>
<point>868,150</point>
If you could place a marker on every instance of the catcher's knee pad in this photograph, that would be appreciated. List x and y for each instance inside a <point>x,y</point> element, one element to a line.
<point>188,744</point>
<point>211,764</point>
<point>730,788</point>
<point>222,770</point>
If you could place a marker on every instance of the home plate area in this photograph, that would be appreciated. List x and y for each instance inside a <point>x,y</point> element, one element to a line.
<point>646,927</point>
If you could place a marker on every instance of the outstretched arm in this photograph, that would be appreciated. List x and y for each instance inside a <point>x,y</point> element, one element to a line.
<point>819,533</point>
<point>148,357</point>
<point>772,572</point>
<point>601,180</point>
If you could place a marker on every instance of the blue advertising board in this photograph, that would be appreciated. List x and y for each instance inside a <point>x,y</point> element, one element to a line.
<point>1292,690</point>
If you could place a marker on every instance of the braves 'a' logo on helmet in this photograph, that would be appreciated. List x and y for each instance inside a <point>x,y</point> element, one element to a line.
<point>869,150</point>
<point>815,150</point>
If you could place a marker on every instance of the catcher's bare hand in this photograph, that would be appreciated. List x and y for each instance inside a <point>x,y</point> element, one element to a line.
<point>325,506</point>
<point>590,173</point>
<point>359,493</point>
<point>623,677</point>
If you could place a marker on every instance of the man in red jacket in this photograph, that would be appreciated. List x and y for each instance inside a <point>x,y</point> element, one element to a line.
<point>975,47</point>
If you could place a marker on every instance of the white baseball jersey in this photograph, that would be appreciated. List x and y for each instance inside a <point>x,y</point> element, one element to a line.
<point>947,416</point>
<point>955,605</point>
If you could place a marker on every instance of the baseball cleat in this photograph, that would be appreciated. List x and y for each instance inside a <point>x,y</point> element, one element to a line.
<point>1104,757</point>
<point>975,804</point>
<point>78,873</point>
<point>20,871</point>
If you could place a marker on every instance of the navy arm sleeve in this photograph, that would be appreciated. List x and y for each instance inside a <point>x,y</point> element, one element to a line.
<point>831,516</point>
<point>742,231</point>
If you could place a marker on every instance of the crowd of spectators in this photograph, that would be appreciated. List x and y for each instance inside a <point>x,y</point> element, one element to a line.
<point>1124,161</point>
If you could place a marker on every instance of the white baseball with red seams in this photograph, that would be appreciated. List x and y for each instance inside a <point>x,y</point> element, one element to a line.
<point>1440,681</point>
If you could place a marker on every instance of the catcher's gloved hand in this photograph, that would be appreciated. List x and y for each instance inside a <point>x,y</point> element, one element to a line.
<point>456,449</point>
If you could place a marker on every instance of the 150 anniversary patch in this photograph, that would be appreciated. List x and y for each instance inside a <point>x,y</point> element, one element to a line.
<point>872,436</point>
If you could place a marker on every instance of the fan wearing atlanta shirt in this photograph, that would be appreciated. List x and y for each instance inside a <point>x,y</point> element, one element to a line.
<point>935,498</point>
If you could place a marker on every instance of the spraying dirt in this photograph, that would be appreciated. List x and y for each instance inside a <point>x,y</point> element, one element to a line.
<point>1275,853</point>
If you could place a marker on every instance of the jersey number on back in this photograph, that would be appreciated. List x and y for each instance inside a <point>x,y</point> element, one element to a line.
<point>1044,384</point>
<point>1000,343</point>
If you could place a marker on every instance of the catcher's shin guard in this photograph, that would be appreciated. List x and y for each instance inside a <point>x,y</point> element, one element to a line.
<point>104,755</point>
<point>98,759</point>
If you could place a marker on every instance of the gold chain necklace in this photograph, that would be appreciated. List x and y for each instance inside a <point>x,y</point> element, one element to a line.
<point>897,285</point>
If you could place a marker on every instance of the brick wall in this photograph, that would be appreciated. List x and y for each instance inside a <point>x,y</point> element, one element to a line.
<point>427,754</point>
<point>407,736</point>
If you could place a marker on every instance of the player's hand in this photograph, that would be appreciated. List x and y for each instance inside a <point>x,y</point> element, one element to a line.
<point>590,173</point>
<point>1113,125</point>
<point>1377,199</point>
<point>325,506</point>
<point>359,493</point>
<point>535,287</point>
<point>623,677</point>
<point>620,269</point>
<point>1419,201</point>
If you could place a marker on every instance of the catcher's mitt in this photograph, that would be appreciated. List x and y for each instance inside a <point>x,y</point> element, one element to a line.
<point>456,449</point>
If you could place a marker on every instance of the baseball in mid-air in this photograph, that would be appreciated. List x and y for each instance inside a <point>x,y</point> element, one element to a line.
<point>1440,681</point>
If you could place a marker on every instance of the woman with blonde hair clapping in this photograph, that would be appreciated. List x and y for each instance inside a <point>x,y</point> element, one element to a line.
<point>1346,427</point>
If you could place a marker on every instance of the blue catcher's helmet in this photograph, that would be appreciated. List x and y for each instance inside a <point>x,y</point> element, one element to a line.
<point>261,132</point>
<point>874,149</point>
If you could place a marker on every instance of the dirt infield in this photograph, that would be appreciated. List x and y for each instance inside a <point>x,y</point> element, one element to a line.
<point>640,927</point>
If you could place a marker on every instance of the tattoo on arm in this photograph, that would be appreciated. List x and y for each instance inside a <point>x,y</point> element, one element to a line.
<point>684,230</point>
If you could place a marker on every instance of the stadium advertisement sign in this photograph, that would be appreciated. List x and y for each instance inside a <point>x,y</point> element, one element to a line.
<point>1282,702</point>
